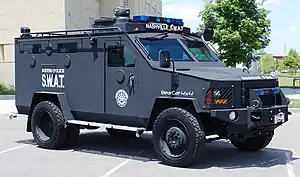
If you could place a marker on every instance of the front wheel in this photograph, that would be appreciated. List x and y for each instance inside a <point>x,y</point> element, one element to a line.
<point>253,143</point>
<point>178,137</point>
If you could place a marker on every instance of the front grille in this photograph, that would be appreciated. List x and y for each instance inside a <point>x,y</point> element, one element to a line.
<point>267,100</point>
<point>219,96</point>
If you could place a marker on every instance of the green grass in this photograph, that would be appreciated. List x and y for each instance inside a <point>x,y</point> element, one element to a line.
<point>294,104</point>
<point>6,90</point>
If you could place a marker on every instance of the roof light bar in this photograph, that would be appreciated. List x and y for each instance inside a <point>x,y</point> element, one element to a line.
<point>154,19</point>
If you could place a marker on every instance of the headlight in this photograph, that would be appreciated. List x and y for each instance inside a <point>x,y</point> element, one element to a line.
<point>232,115</point>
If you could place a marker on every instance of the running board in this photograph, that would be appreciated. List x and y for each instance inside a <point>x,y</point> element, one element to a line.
<point>138,130</point>
<point>211,138</point>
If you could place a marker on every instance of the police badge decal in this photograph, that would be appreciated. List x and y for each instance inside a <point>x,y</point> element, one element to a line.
<point>121,98</point>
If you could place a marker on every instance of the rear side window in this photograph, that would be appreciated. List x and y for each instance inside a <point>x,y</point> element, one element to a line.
<point>67,47</point>
<point>32,48</point>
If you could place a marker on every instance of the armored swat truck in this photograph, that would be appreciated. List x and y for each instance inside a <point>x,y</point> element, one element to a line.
<point>140,74</point>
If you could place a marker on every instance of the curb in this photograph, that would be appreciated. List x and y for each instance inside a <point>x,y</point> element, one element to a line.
<point>7,97</point>
<point>295,110</point>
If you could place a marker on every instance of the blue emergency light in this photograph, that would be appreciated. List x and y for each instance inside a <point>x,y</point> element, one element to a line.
<point>262,92</point>
<point>153,19</point>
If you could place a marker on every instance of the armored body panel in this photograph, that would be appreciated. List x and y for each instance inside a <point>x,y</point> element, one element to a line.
<point>142,74</point>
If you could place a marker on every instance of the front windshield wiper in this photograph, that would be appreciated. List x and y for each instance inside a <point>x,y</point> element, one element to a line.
<point>165,34</point>
<point>185,37</point>
<point>208,43</point>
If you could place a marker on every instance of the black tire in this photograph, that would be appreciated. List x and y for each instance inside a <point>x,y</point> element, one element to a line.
<point>72,136</point>
<point>120,133</point>
<point>252,144</point>
<point>48,125</point>
<point>192,137</point>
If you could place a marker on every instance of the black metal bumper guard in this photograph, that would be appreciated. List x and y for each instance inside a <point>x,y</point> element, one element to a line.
<point>255,117</point>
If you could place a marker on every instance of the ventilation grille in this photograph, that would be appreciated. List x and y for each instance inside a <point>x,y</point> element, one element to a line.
<point>219,96</point>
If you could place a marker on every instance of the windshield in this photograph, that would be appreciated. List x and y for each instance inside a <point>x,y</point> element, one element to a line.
<point>177,52</point>
<point>200,51</point>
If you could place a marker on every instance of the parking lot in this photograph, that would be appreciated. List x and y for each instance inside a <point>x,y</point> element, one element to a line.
<point>98,154</point>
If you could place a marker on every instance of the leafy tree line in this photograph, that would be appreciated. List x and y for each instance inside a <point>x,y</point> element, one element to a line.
<point>290,63</point>
<point>240,28</point>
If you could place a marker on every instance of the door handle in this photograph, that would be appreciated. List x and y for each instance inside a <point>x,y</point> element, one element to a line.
<point>131,84</point>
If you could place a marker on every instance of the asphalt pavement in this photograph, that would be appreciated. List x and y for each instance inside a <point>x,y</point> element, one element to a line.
<point>98,154</point>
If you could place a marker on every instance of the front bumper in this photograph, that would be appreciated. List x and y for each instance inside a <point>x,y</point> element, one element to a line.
<point>249,120</point>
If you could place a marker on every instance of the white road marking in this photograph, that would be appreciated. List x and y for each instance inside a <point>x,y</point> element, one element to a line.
<point>11,149</point>
<point>116,168</point>
<point>289,165</point>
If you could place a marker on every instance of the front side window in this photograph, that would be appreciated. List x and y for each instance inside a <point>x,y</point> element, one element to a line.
<point>200,51</point>
<point>120,56</point>
<point>177,52</point>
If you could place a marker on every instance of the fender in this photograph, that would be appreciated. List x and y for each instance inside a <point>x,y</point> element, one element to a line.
<point>163,102</point>
<point>196,105</point>
<point>59,98</point>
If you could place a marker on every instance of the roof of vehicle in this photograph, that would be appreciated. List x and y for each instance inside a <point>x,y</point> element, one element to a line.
<point>119,24</point>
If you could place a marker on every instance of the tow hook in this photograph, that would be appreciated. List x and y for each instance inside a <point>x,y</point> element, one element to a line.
<point>12,116</point>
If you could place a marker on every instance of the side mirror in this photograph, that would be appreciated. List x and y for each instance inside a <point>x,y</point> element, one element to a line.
<point>164,59</point>
<point>208,34</point>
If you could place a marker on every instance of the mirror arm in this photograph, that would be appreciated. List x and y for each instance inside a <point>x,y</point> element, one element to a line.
<point>173,66</point>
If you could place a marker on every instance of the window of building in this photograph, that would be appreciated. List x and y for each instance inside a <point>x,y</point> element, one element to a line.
<point>125,3</point>
<point>120,57</point>
<point>1,52</point>
<point>67,47</point>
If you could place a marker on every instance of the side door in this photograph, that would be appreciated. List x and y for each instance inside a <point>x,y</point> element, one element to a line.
<point>121,76</point>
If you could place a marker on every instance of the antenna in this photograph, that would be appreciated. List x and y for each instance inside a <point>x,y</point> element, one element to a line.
<point>69,15</point>
<point>92,39</point>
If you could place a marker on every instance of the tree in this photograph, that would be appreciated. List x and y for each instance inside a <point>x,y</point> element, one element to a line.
<point>240,27</point>
<point>281,66</point>
<point>292,60</point>
<point>267,64</point>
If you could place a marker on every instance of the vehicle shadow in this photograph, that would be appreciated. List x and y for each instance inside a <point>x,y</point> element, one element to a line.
<point>219,154</point>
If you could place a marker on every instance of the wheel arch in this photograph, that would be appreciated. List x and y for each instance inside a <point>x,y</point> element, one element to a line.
<point>58,98</point>
<point>162,103</point>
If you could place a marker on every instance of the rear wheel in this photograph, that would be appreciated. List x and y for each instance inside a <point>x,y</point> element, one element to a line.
<point>178,137</point>
<point>48,125</point>
<point>253,143</point>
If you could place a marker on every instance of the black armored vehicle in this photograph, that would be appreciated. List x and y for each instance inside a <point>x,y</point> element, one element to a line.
<point>140,74</point>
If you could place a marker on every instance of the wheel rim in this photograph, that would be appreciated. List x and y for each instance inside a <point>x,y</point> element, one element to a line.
<point>173,138</point>
<point>44,126</point>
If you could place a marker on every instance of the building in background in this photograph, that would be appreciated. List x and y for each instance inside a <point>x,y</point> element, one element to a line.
<point>137,7</point>
<point>56,15</point>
